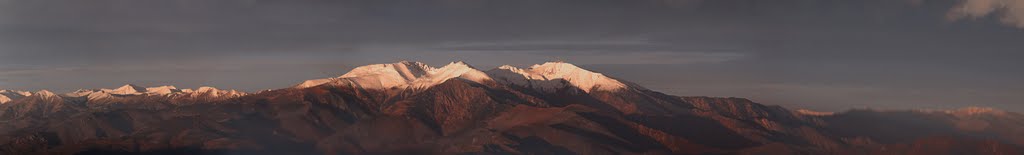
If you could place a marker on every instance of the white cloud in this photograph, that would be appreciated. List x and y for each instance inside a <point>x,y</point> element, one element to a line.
<point>1010,12</point>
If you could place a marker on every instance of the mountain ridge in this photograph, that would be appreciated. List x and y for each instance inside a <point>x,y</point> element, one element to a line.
<point>558,108</point>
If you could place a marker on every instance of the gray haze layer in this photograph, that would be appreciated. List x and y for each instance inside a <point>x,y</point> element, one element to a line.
<point>816,54</point>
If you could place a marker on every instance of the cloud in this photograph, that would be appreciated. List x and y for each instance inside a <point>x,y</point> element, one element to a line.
<point>621,51</point>
<point>22,70</point>
<point>1010,12</point>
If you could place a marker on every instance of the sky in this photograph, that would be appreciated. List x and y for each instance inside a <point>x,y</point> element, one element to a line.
<point>827,55</point>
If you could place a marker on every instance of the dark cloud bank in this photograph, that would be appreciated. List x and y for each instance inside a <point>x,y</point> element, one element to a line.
<point>818,54</point>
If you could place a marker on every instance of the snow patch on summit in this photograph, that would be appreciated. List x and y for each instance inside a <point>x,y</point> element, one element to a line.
<point>547,77</point>
<point>134,90</point>
<point>45,94</point>
<point>15,93</point>
<point>10,95</point>
<point>211,92</point>
<point>128,89</point>
<point>403,74</point>
<point>163,90</point>
<point>551,76</point>
<point>453,70</point>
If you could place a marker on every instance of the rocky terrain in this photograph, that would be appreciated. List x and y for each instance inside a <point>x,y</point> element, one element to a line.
<point>412,108</point>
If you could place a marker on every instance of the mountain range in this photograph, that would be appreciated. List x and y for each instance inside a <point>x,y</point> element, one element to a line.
<point>412,108</point>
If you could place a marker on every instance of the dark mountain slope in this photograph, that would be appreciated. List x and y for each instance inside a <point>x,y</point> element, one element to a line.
<point>463,116</point>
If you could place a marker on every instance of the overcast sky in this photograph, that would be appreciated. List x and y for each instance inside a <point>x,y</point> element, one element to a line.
<point>817,54</point>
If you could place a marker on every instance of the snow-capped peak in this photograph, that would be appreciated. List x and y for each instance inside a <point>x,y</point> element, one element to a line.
<point>128,89</point>
<point>212,92</point>
<point>458,69</point>
<point>404,69</point>
<point>402,74</point>
<point>206,89</point>
<point>135,90</point>
<point>4,99</point>
<point>44,94</point>
<point>550,76</point>
<point>546,77</point>
<point>10,95</point>
<point>162,90</point>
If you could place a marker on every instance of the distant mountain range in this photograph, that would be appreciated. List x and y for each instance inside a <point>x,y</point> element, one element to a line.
<point>413,108</point>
